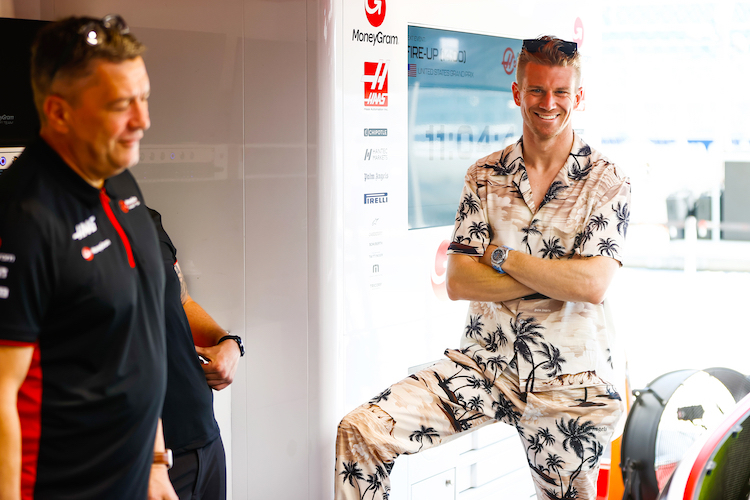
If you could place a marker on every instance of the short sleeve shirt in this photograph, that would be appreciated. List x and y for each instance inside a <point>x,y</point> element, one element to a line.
<point>585,212</point>
<point>188,414</point>
<point>81,281</point>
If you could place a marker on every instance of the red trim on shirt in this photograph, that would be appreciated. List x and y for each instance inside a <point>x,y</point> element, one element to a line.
<point>124,237</point>
<point>30,414</point>
<point>16,343</point>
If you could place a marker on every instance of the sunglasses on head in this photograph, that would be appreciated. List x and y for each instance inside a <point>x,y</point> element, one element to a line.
<point>533,45</point>
<point>93,33</point>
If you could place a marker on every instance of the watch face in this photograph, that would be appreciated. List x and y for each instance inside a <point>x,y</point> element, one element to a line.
<point>497,254</point>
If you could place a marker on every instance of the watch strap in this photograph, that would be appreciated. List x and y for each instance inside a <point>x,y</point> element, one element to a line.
<point>164,458</point>
<point>237,339</point>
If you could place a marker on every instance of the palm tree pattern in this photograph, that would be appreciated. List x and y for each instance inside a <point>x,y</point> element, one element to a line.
<point>563,444</point>
<point>585,212</point>
<point>518,362</point>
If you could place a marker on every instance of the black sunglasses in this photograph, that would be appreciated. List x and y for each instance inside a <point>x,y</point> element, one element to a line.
<point>533,45</point>
<point>93,33</point>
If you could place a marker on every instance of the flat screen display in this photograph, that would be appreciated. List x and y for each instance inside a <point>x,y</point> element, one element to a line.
<point>460,109</point>
<point>19,122</point>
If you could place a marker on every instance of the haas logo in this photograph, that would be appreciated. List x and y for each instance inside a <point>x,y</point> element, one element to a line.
<point>376,83</point>
<point>437,274</point>
<point>509,61</point>
<point>375,10</point>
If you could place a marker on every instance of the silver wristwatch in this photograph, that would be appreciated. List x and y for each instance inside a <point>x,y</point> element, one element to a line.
<point>498,257</point>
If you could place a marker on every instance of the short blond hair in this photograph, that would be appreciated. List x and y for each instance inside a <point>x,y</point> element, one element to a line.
<point>549,54</point>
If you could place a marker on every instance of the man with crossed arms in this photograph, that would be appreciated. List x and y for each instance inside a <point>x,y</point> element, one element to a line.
<point>539,234</point>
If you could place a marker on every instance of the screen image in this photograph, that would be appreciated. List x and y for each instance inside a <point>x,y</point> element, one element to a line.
<point>460,109</point>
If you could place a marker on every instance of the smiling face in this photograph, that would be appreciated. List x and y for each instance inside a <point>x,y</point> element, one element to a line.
<point>547,96</point>
<point>105,119</point>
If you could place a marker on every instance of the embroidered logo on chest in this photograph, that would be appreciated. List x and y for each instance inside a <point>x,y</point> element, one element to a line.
<point>88,253</point>
<point>129,204</point>
<point>85,228</point>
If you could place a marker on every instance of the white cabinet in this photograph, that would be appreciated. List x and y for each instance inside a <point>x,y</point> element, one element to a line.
<point>488,463</point>
<point>439,487</point>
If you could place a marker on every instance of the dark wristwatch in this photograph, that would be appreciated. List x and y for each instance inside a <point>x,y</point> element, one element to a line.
<point>237,339</point>
<point>498,258</point>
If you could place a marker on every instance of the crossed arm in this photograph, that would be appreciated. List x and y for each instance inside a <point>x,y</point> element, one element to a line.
<point>580,279</point>
<point>223,357</point>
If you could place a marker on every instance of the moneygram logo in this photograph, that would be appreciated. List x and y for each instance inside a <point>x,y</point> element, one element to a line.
<point>376,84</point>
<point>509,61</point>
<point>375,11</point>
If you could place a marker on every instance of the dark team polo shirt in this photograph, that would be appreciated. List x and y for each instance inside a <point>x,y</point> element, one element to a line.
<point>188,414</point>
<point>82,282</point>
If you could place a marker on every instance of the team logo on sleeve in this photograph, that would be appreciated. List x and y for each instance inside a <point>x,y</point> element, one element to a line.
<point>85,228</point>
<point>88,253</point>
<point>129,204</point>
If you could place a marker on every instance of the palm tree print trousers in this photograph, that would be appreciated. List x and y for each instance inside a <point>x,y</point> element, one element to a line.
<point>564,431</point>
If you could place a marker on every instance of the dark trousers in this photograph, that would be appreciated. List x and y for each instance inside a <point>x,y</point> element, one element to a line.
<point>200,474</point>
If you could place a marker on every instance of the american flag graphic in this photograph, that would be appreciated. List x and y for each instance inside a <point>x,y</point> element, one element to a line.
<point>412,70</point>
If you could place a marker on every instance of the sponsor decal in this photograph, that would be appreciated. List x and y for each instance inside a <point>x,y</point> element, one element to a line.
<point>7,257</point>
<point>451,55</point>
<point>376,154</point>
<point>373,38</point>
<point>376,132</point>
<point>375,12</point>
<point>578,32</point>
<point>373,198</point>
<point>4,292</point>
<point>437,273</point>
<point>89,253</point>
<point>3,272</point>
<point>129,204</point>
<point>3,161</point>
<point>85,228</point>
<point>375,79</point>
<point>509,61</point>
<point>375,177</point>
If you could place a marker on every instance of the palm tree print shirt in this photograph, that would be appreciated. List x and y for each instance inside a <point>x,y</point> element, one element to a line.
<point>585,212</point>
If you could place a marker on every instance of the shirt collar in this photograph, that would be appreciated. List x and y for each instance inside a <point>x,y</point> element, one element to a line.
<point>66,176</point>
<point>577,158</point>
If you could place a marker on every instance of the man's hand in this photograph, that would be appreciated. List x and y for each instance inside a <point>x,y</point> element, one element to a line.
<point>222,363</point>
<point>159,485</point>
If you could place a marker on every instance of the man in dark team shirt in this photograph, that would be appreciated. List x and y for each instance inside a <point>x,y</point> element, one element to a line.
<point>82,347</point>
<point>190,430</point>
